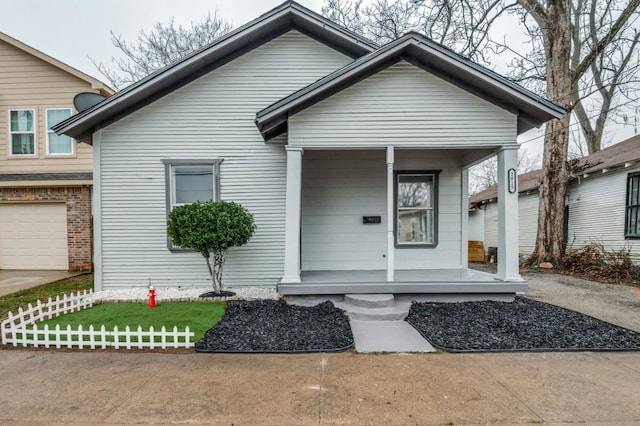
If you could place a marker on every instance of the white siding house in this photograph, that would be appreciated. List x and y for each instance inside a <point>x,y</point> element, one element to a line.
<point>214,115</point>
<point>352,158</point>
<point>601,205</point>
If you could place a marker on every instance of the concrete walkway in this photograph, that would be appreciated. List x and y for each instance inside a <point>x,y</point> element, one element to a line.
<point>387,336</point>
<point>13,281</point>
<point>52,387</point>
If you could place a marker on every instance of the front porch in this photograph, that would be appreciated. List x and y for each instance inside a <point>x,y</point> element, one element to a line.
<point>422,281</point>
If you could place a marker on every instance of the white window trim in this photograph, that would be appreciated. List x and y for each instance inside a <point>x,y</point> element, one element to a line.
<point>35,133</point>
<point>169,185</point>
<point>49,131</point>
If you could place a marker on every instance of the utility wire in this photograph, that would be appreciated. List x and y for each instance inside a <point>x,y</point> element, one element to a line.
<point>580,121</point>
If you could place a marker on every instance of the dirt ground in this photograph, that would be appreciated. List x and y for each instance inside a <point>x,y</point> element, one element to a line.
<point>615,303</point>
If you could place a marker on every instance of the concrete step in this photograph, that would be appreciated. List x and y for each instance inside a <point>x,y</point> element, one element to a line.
<point>397,312</point>
<point>369,300</point>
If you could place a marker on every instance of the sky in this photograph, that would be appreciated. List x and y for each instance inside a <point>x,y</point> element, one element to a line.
<point>73,31</point>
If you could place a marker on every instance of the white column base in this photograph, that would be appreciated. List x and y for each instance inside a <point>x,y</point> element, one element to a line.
<point>509,278</point>
<point>290,280</point>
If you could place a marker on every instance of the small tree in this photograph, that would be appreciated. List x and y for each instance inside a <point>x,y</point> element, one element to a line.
<point>211,228</point>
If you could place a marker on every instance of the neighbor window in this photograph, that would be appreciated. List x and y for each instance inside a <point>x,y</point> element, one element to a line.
<point>22,131</point>
<point>632,221</point>
<point>188,181</point>
<point>58,144</point>
<point>416,209</point>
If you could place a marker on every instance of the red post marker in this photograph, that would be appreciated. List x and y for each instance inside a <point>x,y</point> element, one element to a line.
<point>152,297</point>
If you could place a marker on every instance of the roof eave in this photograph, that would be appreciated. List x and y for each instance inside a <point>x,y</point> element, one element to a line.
<point>531,109</point>
<point>288,16</point>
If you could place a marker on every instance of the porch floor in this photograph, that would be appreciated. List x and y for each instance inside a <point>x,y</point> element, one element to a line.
<point>422,281</point>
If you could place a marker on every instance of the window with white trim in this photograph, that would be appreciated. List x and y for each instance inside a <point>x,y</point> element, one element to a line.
<point>22,132</point>
<point>58,144</point>
<point>188,181</point>
<point>632,214</point>
<point>416,209</point>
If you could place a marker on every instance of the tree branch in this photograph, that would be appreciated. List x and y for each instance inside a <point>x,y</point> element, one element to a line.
<point>631,8</point>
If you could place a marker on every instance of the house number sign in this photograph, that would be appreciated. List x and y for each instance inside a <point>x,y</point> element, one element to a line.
<point>513,180</point>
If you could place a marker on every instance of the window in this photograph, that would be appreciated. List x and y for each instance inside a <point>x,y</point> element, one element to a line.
<point>22,131</point>
<point>58,144</point>
<point>416,209</point>
<point>188,181</point>
<point>632,217</point>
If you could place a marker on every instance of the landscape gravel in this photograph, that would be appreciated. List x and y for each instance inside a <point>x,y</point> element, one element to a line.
<point>275,326</point>
<point>180,294</point>
<point>521,325</point>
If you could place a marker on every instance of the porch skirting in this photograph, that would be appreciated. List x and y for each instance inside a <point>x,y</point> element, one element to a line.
<point>431,281</point>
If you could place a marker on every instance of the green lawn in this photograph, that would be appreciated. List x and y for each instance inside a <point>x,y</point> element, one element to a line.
<point>199,316</point>
<point>11,302</point>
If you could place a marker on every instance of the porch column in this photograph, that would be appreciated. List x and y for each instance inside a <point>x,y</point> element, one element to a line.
<point>292,216</point>
<point>508,261</point>
<point>390,215</point>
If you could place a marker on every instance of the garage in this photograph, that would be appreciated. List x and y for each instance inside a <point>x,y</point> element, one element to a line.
<point>33,236</point>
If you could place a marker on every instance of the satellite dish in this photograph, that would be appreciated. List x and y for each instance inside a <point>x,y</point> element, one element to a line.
<point>86,100</point>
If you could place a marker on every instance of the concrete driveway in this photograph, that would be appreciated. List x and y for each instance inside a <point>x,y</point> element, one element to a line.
<point>13,281</point>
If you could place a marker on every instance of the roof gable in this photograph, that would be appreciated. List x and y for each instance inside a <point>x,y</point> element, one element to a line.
<point>94,83</point>
<point>286,17</point>
<point>532,110</point>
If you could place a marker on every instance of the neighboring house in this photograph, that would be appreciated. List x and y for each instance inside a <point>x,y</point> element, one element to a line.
<point>603,203</point>
<point>329,140</point>
<point>45,179</point>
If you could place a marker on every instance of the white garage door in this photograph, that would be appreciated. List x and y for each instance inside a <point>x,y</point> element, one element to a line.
<point>33,236</point>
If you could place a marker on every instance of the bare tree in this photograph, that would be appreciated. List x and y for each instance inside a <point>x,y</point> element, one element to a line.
<point>164,44</point>
<point>558,64</point>
<point>604,72</point>
<point>461,25</point>
<point>485,174</point>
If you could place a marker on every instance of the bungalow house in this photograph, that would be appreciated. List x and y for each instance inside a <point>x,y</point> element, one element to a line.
<point>353,159</point>
<point>602,203</point>
<point>45,179</point>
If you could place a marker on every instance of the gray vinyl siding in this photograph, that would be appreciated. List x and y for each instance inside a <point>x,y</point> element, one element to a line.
<point>211,117</point>
<point>527,224</point>
<point>597,212</point>
<point>403,106</point>
<point>476,225</point>
<point>339,187</point>
<point>490,225</point>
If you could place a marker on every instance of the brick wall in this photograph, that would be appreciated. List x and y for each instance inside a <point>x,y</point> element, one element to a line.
<point>78,202</point>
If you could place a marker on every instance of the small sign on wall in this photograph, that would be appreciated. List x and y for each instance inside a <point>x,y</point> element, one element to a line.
<point>370,220</point>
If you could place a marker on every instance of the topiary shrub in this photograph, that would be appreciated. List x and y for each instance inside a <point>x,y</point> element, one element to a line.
<point>211,228</point>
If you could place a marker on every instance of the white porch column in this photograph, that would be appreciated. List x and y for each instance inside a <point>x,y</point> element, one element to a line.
<point>508,261</point>
<point>390,215</point>
<point>292,216</point>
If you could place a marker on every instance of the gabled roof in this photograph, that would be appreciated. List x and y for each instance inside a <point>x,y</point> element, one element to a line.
<point>622,154</point>
<point>288,16</point>
<point>95,84</point>
<point>532,110</point>
<point>619,155</point>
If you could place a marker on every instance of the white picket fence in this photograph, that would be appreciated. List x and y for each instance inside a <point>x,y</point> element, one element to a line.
<point>22,329</point>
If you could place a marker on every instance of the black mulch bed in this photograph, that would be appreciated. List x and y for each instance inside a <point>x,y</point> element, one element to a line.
<point>275,326</point>
<point>213,294</point>
<point>522,325</point>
